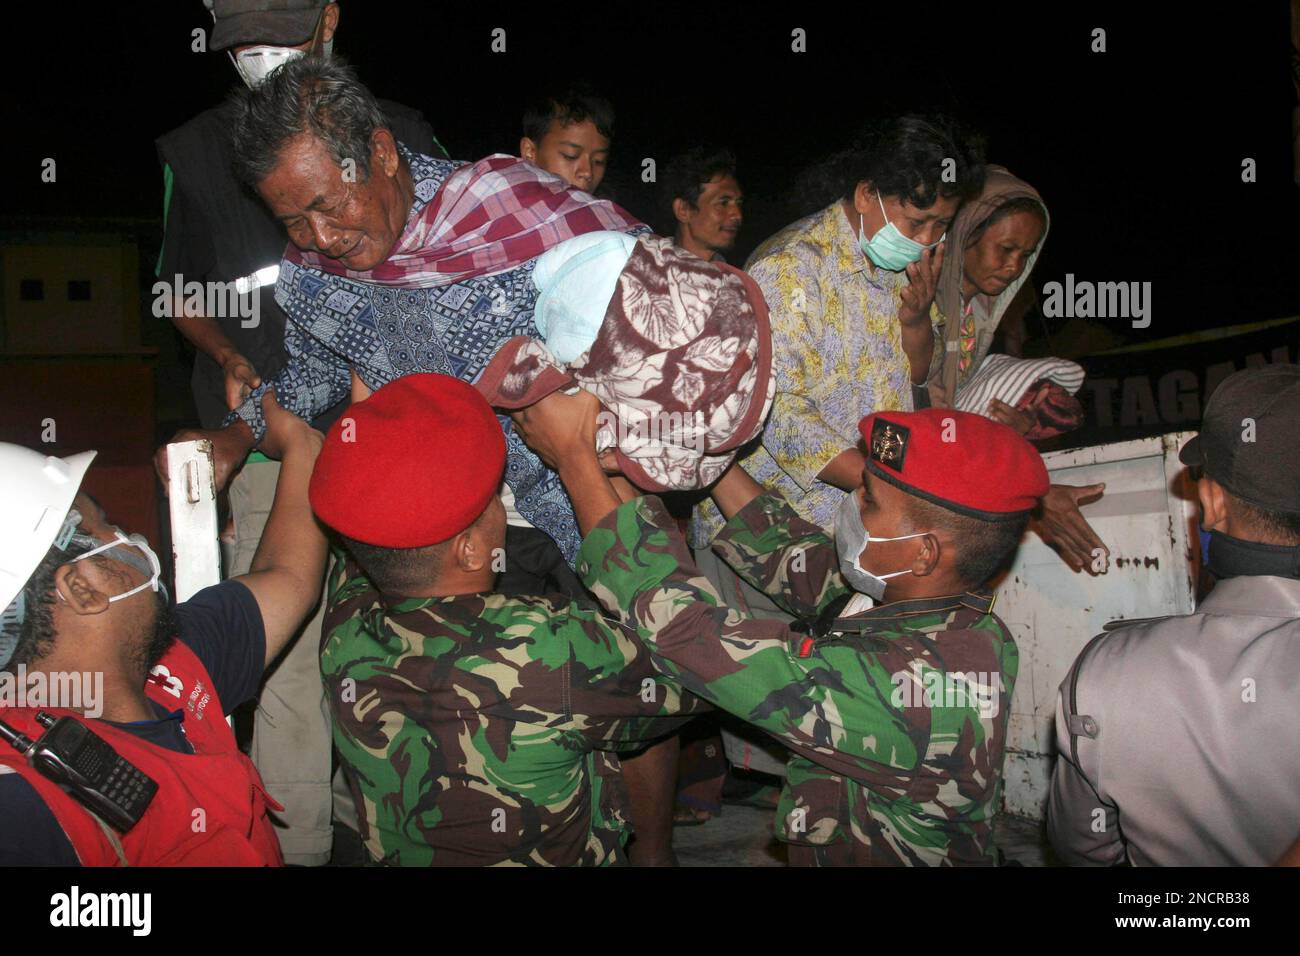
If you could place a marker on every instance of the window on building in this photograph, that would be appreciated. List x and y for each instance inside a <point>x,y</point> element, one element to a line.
<point>78,290</point>
<point>31,290</point>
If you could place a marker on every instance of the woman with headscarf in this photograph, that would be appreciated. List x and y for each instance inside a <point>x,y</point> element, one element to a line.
<point>992,247</point>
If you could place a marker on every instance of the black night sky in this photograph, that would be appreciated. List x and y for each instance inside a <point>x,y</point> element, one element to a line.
<point>1137,151</point>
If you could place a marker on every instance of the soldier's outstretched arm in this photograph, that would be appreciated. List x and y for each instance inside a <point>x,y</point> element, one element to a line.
<point>561,429</point>
<point>636,562</point>
<point>616,698</point>
<point>766,542</point>
<point>638,565</point>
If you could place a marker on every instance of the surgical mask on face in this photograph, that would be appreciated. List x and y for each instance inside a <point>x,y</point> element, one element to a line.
<point>256,63</point>
<point>889,248</point>
<point>124,549</point>
<point>851,540</point>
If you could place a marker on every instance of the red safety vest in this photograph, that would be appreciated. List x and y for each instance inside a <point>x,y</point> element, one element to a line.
<point>211,808</point>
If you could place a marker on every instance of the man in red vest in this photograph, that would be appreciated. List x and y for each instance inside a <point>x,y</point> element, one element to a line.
<point>88,634</point>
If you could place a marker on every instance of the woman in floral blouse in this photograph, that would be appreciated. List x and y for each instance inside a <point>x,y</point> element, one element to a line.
<point>850,289</point>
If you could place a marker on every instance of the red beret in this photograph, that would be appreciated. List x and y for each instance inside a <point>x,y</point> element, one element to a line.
<point>967,463</point>
<point>413,465</point>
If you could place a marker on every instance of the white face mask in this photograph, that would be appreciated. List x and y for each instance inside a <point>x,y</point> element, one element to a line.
<point>127,555</point>
<point>851,540</point>
<point>255,64</point>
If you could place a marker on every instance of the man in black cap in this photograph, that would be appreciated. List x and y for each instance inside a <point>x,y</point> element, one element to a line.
<point>1177,735</point>
<point>221,235</point>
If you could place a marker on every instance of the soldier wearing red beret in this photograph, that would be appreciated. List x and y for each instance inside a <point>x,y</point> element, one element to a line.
<point>893,690</point>
<point>474,727</point>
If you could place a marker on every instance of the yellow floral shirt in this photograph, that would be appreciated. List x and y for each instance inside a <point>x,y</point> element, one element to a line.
<point>837,355</point>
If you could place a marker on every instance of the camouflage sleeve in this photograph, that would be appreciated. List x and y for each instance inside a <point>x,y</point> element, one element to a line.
<point>617,698</point>
<point>591,669</point>
<point>637,564</point>
<point>791,560</point>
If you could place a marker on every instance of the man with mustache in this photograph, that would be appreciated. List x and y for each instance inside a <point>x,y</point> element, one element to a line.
<point>705,200</point>
<point>81,596</point>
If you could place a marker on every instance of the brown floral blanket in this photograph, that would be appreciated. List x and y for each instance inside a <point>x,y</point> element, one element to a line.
<point>682,365</point>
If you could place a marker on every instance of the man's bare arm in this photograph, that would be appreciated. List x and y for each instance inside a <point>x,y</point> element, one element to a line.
<point>230,446</point>
<point>734,490</point>
<point>206,335</point>
<point>914,312</point>
<point>589,488</point>
<point>918,346</point>
<point>287,570</point>
<point>1292,856</point>
<point>844,471</point>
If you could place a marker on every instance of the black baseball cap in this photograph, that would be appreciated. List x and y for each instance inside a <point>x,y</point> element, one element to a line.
<point>1250,435</point>
<point>275,22</point>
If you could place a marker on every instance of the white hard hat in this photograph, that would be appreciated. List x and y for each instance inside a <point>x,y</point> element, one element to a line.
<point>36,492</point>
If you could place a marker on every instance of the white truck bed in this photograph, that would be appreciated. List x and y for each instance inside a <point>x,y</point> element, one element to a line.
<point>1148,519</point>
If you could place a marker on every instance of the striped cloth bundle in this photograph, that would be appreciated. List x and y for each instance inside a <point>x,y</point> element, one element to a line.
<point>1007,378</point>
<point>1042,387</point>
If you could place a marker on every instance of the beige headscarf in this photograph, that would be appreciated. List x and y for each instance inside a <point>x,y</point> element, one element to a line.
<point>999,187</point>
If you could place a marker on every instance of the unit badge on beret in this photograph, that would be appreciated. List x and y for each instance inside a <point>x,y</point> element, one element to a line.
<point>889,443</point>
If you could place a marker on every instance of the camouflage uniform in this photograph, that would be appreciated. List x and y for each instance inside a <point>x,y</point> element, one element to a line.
<point>481,729</point>
<point>878,776</point>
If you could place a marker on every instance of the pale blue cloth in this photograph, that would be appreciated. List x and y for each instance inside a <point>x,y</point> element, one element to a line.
<point>576,279</point>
